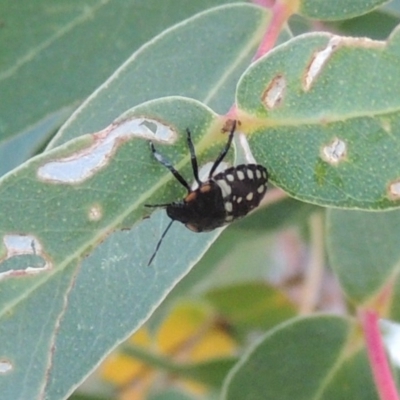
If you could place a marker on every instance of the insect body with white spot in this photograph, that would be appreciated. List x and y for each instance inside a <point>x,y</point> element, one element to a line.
<point>220,199</point>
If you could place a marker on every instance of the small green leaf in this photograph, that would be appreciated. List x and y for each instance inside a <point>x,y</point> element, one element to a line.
<point>251,305</point>
<point>211,372</point>
<point>328,124</point>
<point>340,9</point>
<point>364,250</point>
<point>171,394</point>
<point>300,360</point>
<point>375,25</point>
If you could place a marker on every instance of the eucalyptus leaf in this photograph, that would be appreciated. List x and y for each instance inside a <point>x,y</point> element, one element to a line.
<point>179,61</point>
<point>364,250</point>
<point>55,54</point>
<point>327,125</point>
<point>334,10</point>
<point>79,299</point>
<point>305,358</point>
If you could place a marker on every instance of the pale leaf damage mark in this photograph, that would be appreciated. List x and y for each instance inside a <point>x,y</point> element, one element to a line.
<point>386,125</point>
<point>319,60</point>
<point>95,212</point>
<point>5,366</point>
<point>275,92</point>
<point>20,245</point>
<point>85,163</point>
<point>334,152</point>
<point>394,190</point>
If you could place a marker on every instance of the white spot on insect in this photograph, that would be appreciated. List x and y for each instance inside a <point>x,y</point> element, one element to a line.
<point>83,164</point>
<point>204,172</point>
<point>249,197</point>
<point>230,177</point>
<point>239,200</point>
<point>335,151</point>
<point>319,60</point>
<point>95,213</point>
<point>264,174</point>
<point>258,174</point>
<point>228,206</point>
<point>394,190</point>
<point>19,245</point>
<point>275,92</point>
<point>240,175</point>
<point>5,366</point>
<point>261,189</point>
<point>225,188</point>
<point>229,218</point>
<point>250,174</point>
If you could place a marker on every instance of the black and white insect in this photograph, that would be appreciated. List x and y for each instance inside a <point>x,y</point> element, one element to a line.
<point>218,200</point>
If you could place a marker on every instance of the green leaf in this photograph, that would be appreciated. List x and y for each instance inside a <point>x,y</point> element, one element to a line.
<point>91,299</point>
<point>287,212</point>
<point>375,25</point>
<point>340,9</point>
<point>211,372</point>
<point>328,137</point>
<point>306,358</point>
<point>195,59</point>
<point>251,305</point>
<point>79,303</point>
<point>171,394</point>
<point>364,250</point>
<point>55,54</point>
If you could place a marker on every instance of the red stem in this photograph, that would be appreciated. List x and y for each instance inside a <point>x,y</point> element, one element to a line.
<point>381,371</point>
<point>280,13</point>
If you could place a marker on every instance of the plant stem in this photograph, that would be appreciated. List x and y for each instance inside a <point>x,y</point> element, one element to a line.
<point>281,12</point>
<point>376,352</point>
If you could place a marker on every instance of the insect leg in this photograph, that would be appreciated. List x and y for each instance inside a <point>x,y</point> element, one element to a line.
<point>193,158</point>
<point>168,165</point>
<point>224,151</point>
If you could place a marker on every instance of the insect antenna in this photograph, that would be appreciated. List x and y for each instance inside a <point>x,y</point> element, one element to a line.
<point>157,205</point>
<point>224,151</point>
<point>159,242</point>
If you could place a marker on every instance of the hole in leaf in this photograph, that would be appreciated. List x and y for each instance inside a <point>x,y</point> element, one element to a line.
<point>82,165</point>
<point>5,366</point>
<point>24,256</point>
